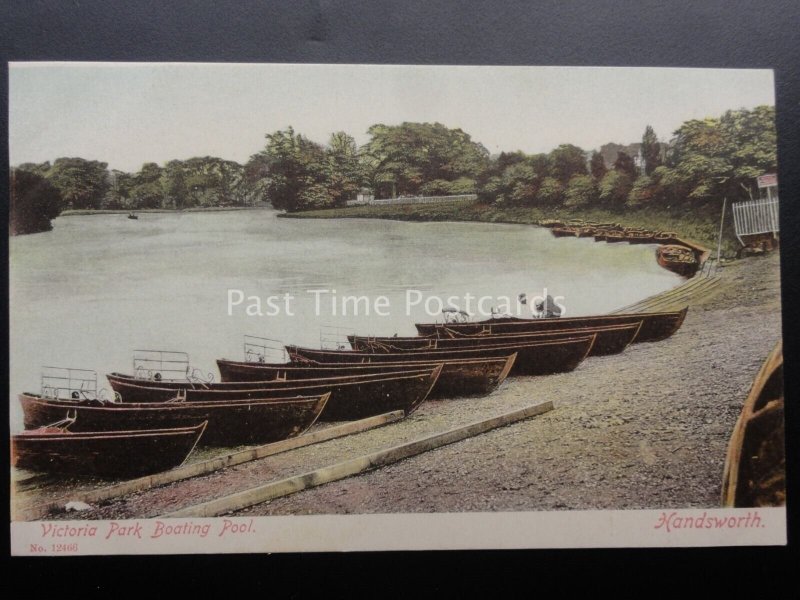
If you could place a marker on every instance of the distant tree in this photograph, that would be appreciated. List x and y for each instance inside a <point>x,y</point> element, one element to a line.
<point>82,183</point>
<point>581,191</point>
<point>297,170</point>
<point>462,185</point>
<point>626,165</point>
<point>644,191</point>
<point>651,150</point>
<point>173,183</point>
<point>551,192</point>
<point>566,161</point>
<point>597,166</point>
<point>614,188</point>
<point>346,171</point>
<point>34,201</point>
<point>401,159</point>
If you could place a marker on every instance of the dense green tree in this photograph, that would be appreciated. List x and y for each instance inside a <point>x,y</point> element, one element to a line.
<point>297,169</point>
<point>614,188</point>
<point>566,161</point>
<point>597,166</point>
<point>551,192</point>
<point>345,169</point>
<point>82,183</point>
<point>173,182</point>
<point>651,150</point>
<point>626,165</point>
<point>400,159</point>
<point>644,191</point>
<point>581,191</point>
<point>34,201</point>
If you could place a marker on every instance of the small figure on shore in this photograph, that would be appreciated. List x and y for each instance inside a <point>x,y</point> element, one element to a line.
<point>547,308</point>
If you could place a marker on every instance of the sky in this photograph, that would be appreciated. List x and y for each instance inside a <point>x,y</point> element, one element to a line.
<point>126,114</point>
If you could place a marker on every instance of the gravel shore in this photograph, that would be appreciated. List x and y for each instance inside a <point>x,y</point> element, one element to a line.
<point>647,428</point>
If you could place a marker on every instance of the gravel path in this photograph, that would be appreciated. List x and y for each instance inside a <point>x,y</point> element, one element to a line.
<point>644,429</point>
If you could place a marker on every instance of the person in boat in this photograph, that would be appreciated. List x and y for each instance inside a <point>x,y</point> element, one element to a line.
<point>547,308</point>
<point>454,315</point>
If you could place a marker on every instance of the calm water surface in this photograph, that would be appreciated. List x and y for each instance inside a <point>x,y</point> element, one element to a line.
<point>97,287</point>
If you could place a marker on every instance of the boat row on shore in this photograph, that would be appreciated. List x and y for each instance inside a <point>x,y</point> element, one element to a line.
<point>673,253</point>
<point>157,419</point>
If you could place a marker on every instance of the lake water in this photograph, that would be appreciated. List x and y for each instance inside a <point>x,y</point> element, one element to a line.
<point>88,293</point>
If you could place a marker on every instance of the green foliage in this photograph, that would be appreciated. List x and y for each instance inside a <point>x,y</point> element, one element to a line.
<point>626,165</point>
<point>551,191</point>
<point>296,168</point>
<point>82,183</point>
<point>566,161</point>
<point>597,166</point>
<point>34,201</point>
<point>614,188</point>
<point>651,150</point>
<point>401,159</point>
<point>581,191</point>
<point>644,191</point>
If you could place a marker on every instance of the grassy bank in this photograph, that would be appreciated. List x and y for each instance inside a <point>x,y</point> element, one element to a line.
<point>119,211</point>
<point>701,227</point>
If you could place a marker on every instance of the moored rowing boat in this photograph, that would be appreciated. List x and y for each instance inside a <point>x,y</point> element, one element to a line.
<point>230,422</point>
<point>351,397</point>
<point>655,326</point>
<point>107,454</point>
<point>611,339</point>
<point>536,358</point>
<point>459,377</point>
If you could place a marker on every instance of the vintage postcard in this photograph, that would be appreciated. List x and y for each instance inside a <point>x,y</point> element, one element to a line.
<point>298,307</point>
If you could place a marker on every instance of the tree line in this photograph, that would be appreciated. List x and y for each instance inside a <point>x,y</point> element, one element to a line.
<point>704,161</point>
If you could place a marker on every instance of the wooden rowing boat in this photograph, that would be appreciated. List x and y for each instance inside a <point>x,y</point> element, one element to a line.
<point>655,326</point>
<point>459,377</point>
<point>641,237</point>
<point>563,231</point>
<point>611,339</point>
<point>107,454</point>
<point>755,464</point>
<point>230,422</point>
<point>678,259</point>
<point>537,358</point>
<point>351,397</point>
<point>613,237</point>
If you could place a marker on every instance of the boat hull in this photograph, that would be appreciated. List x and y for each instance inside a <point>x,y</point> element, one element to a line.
<point>115,454</point>
<point>655,326</point>
<point>230,423</point>
<point>466,377</point>
<point>610,340</point>
<point>351,397</point>
<point>540,358</point>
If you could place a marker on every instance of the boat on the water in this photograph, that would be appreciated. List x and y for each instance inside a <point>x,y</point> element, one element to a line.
<point>678,259</point>
<point>133,216</point>
<point>641,237</point>
<point>351,396</point>
<point>230,422</point>
<point>611,339</point>
<point>665,237</point>
<point>459,377</point>
<point>755,465</point>
<point>535,358</point>
<point>566,231</point>
<point>107,454</point>
<point>655,326</point>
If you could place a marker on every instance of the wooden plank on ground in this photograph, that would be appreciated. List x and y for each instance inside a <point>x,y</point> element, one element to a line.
<point>348,468</point>
<point>684,294</point>
<point>40,511</point>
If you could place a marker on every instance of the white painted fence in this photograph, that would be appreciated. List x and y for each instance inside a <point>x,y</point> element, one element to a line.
<point>413,200</point>
<point>755,216</point>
